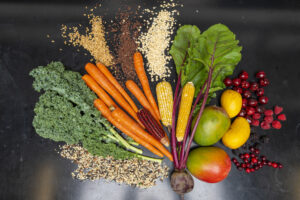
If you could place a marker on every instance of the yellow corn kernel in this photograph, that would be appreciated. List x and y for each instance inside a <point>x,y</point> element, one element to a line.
<point>187,97</point>
<point>164,95</point>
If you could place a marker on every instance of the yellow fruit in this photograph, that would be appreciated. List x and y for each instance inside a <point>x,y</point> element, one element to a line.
<point>238,133</point>
<point>231,101</point>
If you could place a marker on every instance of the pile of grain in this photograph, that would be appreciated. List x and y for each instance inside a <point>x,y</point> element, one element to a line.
<point>134,172</point>
<point>155,43</point>
<point>93,40</point>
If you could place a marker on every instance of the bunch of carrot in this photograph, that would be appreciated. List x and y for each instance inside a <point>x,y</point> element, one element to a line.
<point>103,83</point>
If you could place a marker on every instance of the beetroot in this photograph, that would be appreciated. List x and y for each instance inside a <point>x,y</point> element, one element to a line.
<point>181,182</point>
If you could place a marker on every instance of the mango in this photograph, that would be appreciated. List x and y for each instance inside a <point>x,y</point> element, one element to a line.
<point>213,124</point>
<point>209,164</point>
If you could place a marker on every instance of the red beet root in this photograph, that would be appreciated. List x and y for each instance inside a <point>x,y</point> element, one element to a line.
<point>265,125</point>
<point>277,110</point>
<point>281,117</point>
<point>276,124</point>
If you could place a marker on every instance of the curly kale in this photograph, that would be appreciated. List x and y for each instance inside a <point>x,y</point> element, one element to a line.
<point>65,112</point>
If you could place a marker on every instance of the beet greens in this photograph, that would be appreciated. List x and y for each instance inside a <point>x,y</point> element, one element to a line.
<point>204,59</point>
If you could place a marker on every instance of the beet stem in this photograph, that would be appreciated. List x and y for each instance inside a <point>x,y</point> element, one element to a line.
<point>173,136</point>
<point>199,116</point>
<point>188,128</point>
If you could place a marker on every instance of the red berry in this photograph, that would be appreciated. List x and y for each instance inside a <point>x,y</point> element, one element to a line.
<point>277,110</point>
<point>264,162</point>
<point>242,113</point>
<point>241,156</point>
<point>227,81</point>
<point>264,82</point>
<point>280,166</point>
<point>236,81</point>
<point>255,122</point>
<point>265,125</point>
<point>248,165</point>
<point>246,155</point>
<point>237,164</point>
<point>256,167</point>
<point>250,110</point>
<point>254,160</point>
<point>260,74</point>
<point>247,94</point>
<point>245,84</point>
<point>252,155</point>
<point>252,149</point>
<point>259,109</point>
<point>269,163</point>
<point>238,89</point>
<point>269,119</point>
<point>240,168</point>
<point>260,165</point>
<point>276,124</point>
<point>252,102</point>
<point>274,164</point>
<point>243,75</point>
<point>256,151</point>
<point>256,116</point>
<point>249,119</point>
<point>248,170</point>
<point>245,160</point>
<point>260,92</point>
<point>268,112</point>
<point>244,103</point>
<point>263,100</point>
<point>252,169</point>
<point>243,165</point>
<point>263,158</point>
<point>281,117</point>
<point>234,160</point>
<point>253,86</point>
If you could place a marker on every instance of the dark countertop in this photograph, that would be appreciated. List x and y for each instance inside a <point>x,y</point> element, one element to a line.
<point>269,32</point>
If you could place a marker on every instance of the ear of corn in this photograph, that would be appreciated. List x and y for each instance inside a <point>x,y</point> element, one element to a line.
<point>164,95</point>
<point>184,109</point>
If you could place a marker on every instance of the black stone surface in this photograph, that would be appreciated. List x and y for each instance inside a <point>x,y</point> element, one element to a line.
<point>30,169</point>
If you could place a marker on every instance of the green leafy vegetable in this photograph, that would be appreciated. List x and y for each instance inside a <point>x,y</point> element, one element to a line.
<point>65,113</point>
<point>194,53</point>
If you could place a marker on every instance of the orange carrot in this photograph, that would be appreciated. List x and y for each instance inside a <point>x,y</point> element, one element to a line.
<point>139,95</point>
<point>100,105</point>
<point>112,79</point>
<point>126,121</point>
<point>140,71</point>
<point>109,88</point>
<point>93,85</point>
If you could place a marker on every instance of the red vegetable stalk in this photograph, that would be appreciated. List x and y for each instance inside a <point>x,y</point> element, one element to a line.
<point>173,134</point>
<point>209,79</point>
<point>188,128</point>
